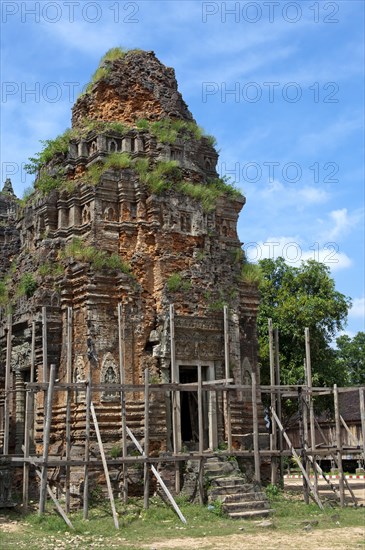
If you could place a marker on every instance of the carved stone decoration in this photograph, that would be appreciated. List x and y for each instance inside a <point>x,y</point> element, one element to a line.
<point>109,375</point>
<point>79,376</point>
<point>20,357</point>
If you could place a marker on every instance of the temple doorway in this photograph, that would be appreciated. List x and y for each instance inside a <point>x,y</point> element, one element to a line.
<point>189,409</point>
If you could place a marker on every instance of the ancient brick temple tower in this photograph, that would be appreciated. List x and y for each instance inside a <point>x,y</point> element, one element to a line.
<point>128,208</point>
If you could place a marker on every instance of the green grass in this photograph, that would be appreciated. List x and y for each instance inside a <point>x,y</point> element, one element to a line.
<point>141,528</point>
<point>176,283</point>
<point>251,274</point>
<point>98,259</point>
<point>118,160</point>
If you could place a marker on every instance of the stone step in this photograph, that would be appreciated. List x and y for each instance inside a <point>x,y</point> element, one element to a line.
<point>245,497</point>
<point>220,468</point>
<point>228,481</point>
<point>242,506</point>
<point>232,490</point>
<point>250,514</point>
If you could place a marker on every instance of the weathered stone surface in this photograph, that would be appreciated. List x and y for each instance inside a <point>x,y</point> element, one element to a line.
<point>159,235</point>
<point>137,86</point>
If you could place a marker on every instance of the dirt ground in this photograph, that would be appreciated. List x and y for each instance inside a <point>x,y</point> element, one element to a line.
<point>328,539</point>
<point>357,485</point>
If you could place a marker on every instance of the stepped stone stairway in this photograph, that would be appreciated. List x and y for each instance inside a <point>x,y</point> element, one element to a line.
<point>240,500</point>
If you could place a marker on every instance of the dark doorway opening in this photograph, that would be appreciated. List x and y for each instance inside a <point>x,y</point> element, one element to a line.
<point>189,409</point>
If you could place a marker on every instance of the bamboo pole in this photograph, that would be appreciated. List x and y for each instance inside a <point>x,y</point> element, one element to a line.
<point>146,437</point>
<point>227,404</point>
<point>87,449</point>
<point>255,429</point>
<point>201,434</point>
<point>310,396</point>
<point>68,448</point>
<point>121,339</point>
<point>175,399</point>
<point>362,414</point>
<point>273,435</point>
<point>278,402</point>
<point>47,431</point>
<point>105,466</point>
<point>7,387</point>
<point>339,445</point>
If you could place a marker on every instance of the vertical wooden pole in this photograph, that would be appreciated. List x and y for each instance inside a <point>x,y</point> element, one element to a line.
<point>175,399</point>
<point>26,452</point>
<point>339,445</point>
<point>105,466</point>
<point>32,379</point>
<point>28,424</point>
<point>226,372</point>
<point>68,448</point>
<point>87,449</point>
<point>303,436</point>
<point>68,404</point>
<point>46,434</point>
<point>44,345</point>
<point>256,449</point>
<point>69,345</point>
<point>121,339</point>
<point>311,407</point>
<point>362,415</point>
<point>32,353</point>
<point>7,387</point>
<point>201,434</point>
<point>146,438</point>
<point>278,402</point>
<point>273,435</point>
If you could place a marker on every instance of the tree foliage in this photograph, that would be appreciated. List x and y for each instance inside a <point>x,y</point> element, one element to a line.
<point>295,298</point>
<point>350,358</point>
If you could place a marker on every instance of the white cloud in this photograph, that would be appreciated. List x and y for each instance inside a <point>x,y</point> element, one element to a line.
<point>342,223</point>
<point>294,252</point>
<point>358,307</point>
<point>312,195</point>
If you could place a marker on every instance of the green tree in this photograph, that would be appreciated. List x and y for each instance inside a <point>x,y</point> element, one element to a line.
<point>350,358</point>
<point>295,298</point>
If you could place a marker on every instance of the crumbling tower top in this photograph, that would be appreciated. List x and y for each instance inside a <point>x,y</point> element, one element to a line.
<point>135,85</point>
<point>8,188</point>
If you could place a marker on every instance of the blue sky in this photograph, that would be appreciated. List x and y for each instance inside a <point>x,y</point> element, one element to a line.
<point>280,85</point>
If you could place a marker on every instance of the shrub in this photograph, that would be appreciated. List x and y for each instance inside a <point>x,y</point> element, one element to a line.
<point>161,177</point>
<point>94,172</point>
<point>99,259</point>
<point>46,183</point>
<point>51,147</point>
<point>27,285</point>
<point>176,282</point>
<point>118,160</point>
<point>204,193</point>
<point>3,293</point>
<point>251,274</point>
<point>113,53</point>
<point>50,269</point>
